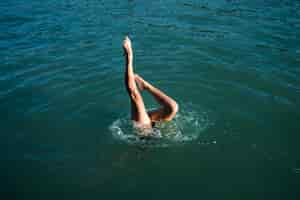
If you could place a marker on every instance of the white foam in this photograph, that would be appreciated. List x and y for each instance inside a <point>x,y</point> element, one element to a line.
<point>185,127</point>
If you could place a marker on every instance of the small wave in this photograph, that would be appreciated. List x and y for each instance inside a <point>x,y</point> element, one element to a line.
<point>186,127</point>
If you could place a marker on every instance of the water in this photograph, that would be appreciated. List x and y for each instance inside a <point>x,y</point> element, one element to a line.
<point>233,67</point>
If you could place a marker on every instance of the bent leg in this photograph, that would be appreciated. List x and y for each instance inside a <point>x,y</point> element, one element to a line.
<point>138,110</point>
<point>169,106</point>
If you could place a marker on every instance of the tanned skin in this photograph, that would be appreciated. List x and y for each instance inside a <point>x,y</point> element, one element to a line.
<point>139,114</point>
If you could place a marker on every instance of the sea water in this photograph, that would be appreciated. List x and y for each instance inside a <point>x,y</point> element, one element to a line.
<point>232,66</point>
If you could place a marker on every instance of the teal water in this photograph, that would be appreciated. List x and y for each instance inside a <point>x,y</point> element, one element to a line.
<point>233,67</point>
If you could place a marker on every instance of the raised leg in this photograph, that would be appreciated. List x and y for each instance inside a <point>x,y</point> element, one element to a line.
<point>138,110</point>
<point>169,106</point>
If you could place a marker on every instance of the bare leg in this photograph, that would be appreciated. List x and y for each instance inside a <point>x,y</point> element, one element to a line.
<point>169,106</point>
<point>138,110</point>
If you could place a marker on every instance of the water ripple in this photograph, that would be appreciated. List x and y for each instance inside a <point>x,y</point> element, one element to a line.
<point>66,56</point>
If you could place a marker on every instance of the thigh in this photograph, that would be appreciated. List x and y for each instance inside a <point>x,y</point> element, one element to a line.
<point>161,114</point>
<point>138,111</point>
<point>157,114</point>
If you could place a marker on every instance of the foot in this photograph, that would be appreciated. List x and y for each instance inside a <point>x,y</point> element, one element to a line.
<point>142,84</point>
<point>127,46</point>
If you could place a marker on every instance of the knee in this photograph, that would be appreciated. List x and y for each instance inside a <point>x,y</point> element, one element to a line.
<point>135,95</point>
<point>131,87</point>
<point>172,110</point>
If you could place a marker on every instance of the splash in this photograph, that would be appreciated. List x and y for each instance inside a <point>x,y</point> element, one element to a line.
<point>186,127</point>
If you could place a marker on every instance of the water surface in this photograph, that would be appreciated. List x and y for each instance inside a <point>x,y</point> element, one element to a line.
<point>233,67</point>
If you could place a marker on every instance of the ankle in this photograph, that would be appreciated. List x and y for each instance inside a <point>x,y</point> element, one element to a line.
<point>147,86</point>
<point>128,58</point>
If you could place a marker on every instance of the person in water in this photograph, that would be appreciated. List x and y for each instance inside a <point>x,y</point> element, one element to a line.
<point>139,114</point>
